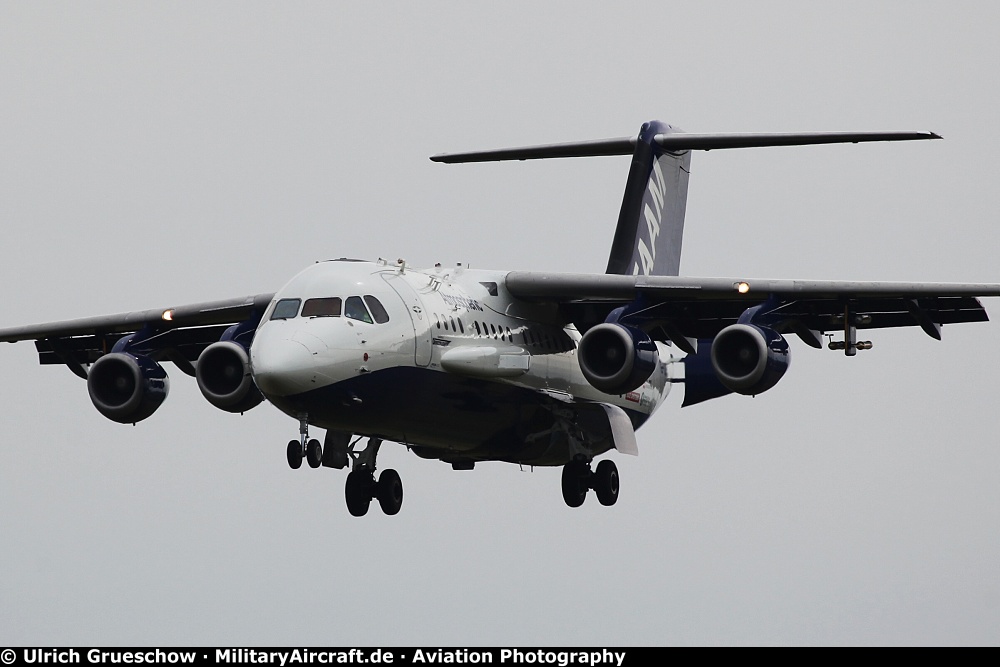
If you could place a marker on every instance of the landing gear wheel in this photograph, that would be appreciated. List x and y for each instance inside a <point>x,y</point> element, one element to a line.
<point>294,454</point>
<point>314,453</point>
<point>575,476</point>
<point>389,491</point>
<point>606,482</point>
<point>358,491</point>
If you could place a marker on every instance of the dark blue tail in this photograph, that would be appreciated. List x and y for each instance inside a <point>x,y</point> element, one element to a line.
<point>651,223</point>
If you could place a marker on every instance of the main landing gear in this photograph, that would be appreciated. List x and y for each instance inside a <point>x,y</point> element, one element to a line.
<point>577,479</point>
<point>361,487</point>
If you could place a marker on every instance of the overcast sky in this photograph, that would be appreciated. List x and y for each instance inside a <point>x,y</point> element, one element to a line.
<point>154,154</point>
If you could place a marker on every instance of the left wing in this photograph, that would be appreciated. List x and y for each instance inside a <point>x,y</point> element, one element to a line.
<point>680,309</point>
<point>178,333</point>
<point>732,329</point>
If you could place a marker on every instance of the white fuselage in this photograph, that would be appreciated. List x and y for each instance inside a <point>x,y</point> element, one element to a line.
<point>445,360</point>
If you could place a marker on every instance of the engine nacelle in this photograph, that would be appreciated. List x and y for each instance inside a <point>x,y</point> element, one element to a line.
<point>749,359</point>
<point>127,388</point>
<point>616,358</point>
<point>223,374</point>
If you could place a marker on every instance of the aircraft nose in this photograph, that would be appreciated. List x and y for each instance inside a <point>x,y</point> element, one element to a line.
<point>282,367</point>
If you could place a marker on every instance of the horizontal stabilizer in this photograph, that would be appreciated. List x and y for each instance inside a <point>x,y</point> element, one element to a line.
<point>620,146</point>
<point>706,142</point>
<point>676,142</point>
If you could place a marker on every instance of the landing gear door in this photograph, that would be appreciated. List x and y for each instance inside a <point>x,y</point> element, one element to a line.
<point>422,339</point>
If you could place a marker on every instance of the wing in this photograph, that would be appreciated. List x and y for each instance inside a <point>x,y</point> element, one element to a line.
<point>178,333</point>
<point>682,309</point>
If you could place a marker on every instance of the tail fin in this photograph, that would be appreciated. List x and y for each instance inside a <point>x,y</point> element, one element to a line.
<point>651,223</point>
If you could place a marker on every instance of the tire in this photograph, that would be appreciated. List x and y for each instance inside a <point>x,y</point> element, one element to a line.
<point>574,483</point>
<point>390,491</point>
<point>314,453</point>
<point>358,492</point>
<point>294,454</point>
<point>606,483</point>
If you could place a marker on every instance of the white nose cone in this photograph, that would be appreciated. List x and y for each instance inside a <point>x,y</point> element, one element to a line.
<point>281,366</point>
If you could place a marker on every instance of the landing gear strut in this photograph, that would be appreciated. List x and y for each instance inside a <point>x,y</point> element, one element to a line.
<point>361,487</point>
<point>577,479</point>
<point>311,450</point>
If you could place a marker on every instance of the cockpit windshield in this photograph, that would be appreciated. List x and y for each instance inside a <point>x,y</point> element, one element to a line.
<point>355,309</point>
<point>352,307</point>
<point>378,311</point>
<point>286,309</point>
<point>328,307</point>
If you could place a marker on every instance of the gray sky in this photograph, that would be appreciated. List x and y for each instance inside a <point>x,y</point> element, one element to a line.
<point>156,154</point>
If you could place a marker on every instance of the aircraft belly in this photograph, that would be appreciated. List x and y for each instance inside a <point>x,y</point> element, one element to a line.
<point>441,415</point>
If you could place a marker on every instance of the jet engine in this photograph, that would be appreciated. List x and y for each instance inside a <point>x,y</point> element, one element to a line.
<point>223,374</point>
<point>616,358</point>
<point>127,388</point>
<point>749,359</point>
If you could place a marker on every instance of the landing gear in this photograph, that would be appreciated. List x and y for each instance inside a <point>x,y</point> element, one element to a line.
<point>358,491</point>
<point>294,454</point>
<point>361,487</point>
<point>390,491</point>
<point>605,482</point>
<point>314,453</point>
<point>577,479</point>
<point>311,450</point>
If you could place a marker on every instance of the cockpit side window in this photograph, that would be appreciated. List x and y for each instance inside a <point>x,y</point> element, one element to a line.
<point>327,307</point>
<point>355,309</point>
<point>286,309</point>
<point>378,311</point>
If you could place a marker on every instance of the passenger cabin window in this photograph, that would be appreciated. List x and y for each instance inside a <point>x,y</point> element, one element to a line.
<point>286,309</point>
<point>328,307</point>
<point>378,311</point>
<point>355,309</point>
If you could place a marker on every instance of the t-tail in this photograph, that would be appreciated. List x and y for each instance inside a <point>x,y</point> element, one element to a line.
<point>651,222</point>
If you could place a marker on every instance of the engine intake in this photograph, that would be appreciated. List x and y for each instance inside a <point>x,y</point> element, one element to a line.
<point>223,374</point>
<point>127,388</point>
<point>749,359</point>
<point>616,358</point>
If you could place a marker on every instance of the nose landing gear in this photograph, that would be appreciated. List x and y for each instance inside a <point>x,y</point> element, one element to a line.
<point>311,450</point>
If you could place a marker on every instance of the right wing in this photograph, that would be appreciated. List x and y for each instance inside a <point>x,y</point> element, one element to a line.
<point>179,333</point>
